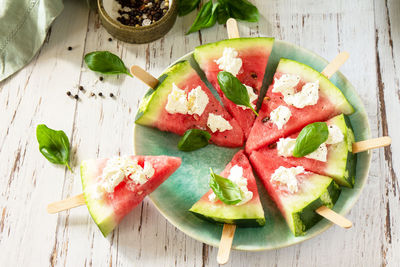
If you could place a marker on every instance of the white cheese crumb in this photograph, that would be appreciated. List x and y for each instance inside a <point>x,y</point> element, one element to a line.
<point>308,96</point>
<point>119,168</point>
<point>236,176</point>
<point>230,61</point>
<point>197,101</point>
<point>146,22</point>
<point>287,176</point>
<point>280,116</point>
<point>285,84</point>
<point>320,154</point>
<point>285,146</point>
<point>335,135</point>
<point>177,101</point>
<point>252,97</point>
<point>218,123</point>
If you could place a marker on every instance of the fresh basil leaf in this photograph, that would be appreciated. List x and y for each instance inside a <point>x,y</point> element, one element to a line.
<point>206,17</point>
<point>242,10</point>
<point>187,6</point>
<point>310,138</point>
<point>226,190</point>
<point>53,145</point>
<point>194,139</point>
<point>106,63</point>
<point>223,13</point>
<point>234,90</point>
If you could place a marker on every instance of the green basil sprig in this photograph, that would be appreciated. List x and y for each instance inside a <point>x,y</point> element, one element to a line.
<point>206,17</point>
<point>187,6</point>
<point>194,139</point>
<point>226,190</point>
<point>234,90</point>
<point>310,138</point>
<point>106,63</point>
<point>54,145</point>
<point>241,10</point>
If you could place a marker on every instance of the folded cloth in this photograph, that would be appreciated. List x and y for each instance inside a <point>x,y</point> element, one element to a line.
<point>23,29</point>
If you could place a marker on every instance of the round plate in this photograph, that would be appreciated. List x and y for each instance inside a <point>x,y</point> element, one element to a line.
<point>176,195</point>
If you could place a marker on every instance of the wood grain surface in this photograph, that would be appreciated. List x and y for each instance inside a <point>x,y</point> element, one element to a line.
<point>102,126</point>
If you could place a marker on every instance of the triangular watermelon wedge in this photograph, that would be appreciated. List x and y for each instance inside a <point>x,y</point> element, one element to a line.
<point>248,214</point>
<point>108,209</point>
<point>297,207</point>
<point>340,161</point>
<point>152,110</point>
<point>331,102</point>
<point>254,54</point>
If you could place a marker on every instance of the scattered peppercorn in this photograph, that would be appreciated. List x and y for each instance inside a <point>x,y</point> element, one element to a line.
<point>253,75</point>
<point>111,95</point>
<point>100,94</point>
<point>76,97</point>
<point>69,48</point>
<point>81,87</point>
<point>110,39</point>
<point>272,146</point>
<point>101,78</point>
<point>92,94</point>
<point>68,93</point>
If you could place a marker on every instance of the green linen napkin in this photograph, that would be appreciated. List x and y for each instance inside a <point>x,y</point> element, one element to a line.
<point>23,29</point>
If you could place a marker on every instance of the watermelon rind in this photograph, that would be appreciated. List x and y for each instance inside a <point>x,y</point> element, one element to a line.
<point>327,88</point>
<point>102,214</point>
<point>204,52</point>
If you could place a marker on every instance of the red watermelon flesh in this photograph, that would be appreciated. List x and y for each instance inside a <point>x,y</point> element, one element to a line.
<point>111,208</point>
<point>152,110</point>
<point>254,53</point>
<point>331,102</point>
<point>248,214</point>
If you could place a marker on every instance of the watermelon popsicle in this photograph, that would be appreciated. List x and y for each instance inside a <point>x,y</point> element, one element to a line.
<point>113,187</point>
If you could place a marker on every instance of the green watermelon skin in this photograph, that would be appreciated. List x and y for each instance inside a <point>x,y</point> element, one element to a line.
<point>254,53</point>
<point>331,103</point>
<point>249,214</point>
<point>152,108</point>
<point>341,162</point>
<point>108,211</point>
<point>298,208</point>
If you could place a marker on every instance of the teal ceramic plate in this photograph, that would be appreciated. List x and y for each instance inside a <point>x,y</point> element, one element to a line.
<point>176,195</point>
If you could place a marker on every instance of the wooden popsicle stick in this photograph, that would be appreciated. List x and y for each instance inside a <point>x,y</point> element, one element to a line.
<point>232,28</point>
<point>335,64</point>
<point>371,144</point>
<point>228,232</point>
<point>66,204</point>
<point>144,76</point>
<point>334,217</point>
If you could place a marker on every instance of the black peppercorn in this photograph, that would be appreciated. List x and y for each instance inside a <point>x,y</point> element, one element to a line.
<point>101,78</point>
<point>76,97</point>
<point>100,94</point>
<point>69,48</point>
<point>110,39</point>
<point>111,95</point>
<point>68,93</point>
<point>81,87</point>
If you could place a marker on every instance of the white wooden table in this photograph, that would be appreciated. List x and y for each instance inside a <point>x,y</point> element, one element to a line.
<point>100,127</point>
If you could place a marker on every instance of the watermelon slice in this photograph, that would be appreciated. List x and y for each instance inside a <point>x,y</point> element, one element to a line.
<point>298,208</point>
<point>108,209</point>
<point>340,161</point>
<point>331,102</point>
<point>254,54</point>
<point>152,110</point>
<point>250,213</point>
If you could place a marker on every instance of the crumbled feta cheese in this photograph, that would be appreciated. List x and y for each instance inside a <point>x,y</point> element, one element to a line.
<point>236,176</point>
<point>308,96</point>
<point>287,176</point>
<point>335,135</point>
<point>177,101</point>
<point>320,154</point>
<point>193,103</point>
<point>252,96</point>
<point>230,61</point>
<point>119,168</point>
<point>286,146</point>
<point>146,22</point>
<point>218,123</point>
<point>280,116</point>
<point>197,101</point>
<point>285,84</point>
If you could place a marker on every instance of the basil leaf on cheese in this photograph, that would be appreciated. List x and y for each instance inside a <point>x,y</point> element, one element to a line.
<point>310,138</point>
<point>226,190</point>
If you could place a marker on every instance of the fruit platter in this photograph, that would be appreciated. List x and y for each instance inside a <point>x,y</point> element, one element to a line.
<point>186,192</point>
